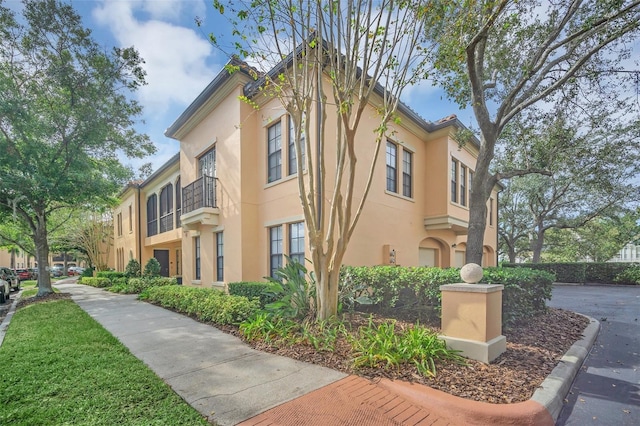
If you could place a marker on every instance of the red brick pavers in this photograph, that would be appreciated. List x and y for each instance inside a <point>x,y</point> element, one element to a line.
<point>351,401</point>
<point>358,401</point>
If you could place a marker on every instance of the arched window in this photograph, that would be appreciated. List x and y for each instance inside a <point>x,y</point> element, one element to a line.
<point>152,215</point>
<point>166,208</point>
<point>178,202</point>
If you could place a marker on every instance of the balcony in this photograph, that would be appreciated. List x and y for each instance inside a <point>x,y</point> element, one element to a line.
<point>459,226</point>
<point>199,203</point>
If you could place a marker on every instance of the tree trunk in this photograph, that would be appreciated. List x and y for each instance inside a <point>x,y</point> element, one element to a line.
<point>42,257</point>
<point>536,246</point>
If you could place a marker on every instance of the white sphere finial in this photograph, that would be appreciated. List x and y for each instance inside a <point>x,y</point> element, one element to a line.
<point>471,273</point>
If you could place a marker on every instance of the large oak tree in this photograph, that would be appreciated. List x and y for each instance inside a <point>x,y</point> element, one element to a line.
<point>66,114</point>
<point>503,56</point>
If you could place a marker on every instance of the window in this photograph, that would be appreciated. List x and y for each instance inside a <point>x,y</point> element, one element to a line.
<point>219,257</point>
<point>274,138</point>
<point>470,184</point>
<point>275,249</point>
<point>178,203</point>
<point>490,211</point>
<point>463,185</point>
<point>130,218</point>
<point>196,251</point>
<point>166,208</point>
<point>392,166</point>
<point>454,181</point>
<point>178,262</point>
<point>152,215</point>
<point>407,186</point>
<point>207,164</point>
<point>119,224</point>
<point>293,165</point>
<point>296,241</point>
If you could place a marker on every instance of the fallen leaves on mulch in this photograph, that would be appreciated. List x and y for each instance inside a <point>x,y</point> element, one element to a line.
<point>533,350</point>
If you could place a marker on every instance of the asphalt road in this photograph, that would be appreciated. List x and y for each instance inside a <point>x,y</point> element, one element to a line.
<point>606,391</point>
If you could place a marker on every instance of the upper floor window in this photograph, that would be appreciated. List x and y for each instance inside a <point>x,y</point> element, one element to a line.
<point>166,208</point>
<point>130,218</point>
<point>392,167</point>
<point>274,159</point>
<point>463,185</point>
<point>207,163</point>
<point>490,211</point>
<point>407,174</point>
<point>119,224</point>
<point>461,180</point>
<point>296,241</point>
<point>178,202</point>
<point>454,181</point>
<point>293,164</point>
<point>152,215</point>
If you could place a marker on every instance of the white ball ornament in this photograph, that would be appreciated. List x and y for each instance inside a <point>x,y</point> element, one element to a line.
<point>471,273</point>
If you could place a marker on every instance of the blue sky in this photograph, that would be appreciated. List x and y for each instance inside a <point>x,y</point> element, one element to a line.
<point>180,61</point>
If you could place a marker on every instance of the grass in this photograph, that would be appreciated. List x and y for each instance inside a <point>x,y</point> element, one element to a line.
<point>59,366</point>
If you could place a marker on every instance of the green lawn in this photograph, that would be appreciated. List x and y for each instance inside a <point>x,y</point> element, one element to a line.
<point>59,366</point>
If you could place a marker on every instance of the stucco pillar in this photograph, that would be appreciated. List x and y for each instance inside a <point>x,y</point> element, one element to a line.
<point>472,317</point>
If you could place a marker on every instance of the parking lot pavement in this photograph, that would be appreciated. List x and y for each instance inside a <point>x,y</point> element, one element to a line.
<point>606,391</point>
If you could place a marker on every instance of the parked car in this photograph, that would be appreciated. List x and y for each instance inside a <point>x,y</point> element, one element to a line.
<point>34,273</point>
<point>23,274</point>
<point>9,276</point>
<point>5,291</point>
<point>56,271</point>
<point>75,270</point>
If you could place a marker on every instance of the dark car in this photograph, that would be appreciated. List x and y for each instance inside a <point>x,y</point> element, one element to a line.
<point>4,291</point>
<point>23,274</point>
<point>9,276</point>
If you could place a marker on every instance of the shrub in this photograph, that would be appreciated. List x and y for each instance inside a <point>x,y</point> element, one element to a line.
<point>525,292</point>
<point>631,275</point>
<point>137,285</point>
<point>604,272</point>
<point>563,272</point>
<point>111,275</point>
<point>133,269</point>
<point>96,282</point>
<point>88,272</point>
<point>252,290</point>
<point>203,303</point>
<point>152,268</point>
<point>385,346</point>
<point>293,289</point>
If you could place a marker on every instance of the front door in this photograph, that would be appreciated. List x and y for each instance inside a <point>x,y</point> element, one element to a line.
<point>163,258</point>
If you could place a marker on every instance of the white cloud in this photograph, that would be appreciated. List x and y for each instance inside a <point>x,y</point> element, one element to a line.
<point>175,56</point>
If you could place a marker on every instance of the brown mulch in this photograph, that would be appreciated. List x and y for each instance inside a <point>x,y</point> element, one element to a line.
<point>533,351</point>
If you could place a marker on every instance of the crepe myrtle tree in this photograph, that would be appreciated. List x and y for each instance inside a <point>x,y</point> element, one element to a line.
<point>500,57</point>
<point>66,114</point>
<point>330,58</point>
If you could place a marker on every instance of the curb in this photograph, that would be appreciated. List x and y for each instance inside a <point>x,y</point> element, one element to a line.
<point>556,386</point>
<point>7,319</point>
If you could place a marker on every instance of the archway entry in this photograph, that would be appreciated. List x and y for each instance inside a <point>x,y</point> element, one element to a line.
<point>488,257</point>
<point>431,252</point>
<point>459,255</point>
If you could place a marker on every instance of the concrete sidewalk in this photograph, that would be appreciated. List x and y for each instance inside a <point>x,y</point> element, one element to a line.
<point>230,383</point>
<point>215,372</point>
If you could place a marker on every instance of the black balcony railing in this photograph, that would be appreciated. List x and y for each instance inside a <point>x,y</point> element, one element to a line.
<point>166,222</point>
<point>199,193</point>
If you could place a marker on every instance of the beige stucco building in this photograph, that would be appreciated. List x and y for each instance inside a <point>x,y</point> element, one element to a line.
<point>230,204</point>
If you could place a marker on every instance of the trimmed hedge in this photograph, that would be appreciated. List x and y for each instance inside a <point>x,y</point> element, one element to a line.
<point>112,275</point>
<point>205,304</point>
<point>564,272</point>
<point>630,275</point>
<point>525,294</point>
<point>137,285</point>
<point>252,290</point>
<point>583,272</point>
<point>96,282</point>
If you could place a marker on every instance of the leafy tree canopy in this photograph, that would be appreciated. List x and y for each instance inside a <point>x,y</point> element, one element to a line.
<point>66,116</point>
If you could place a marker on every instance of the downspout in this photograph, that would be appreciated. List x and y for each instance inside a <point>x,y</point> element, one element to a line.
<point>139,226</point>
